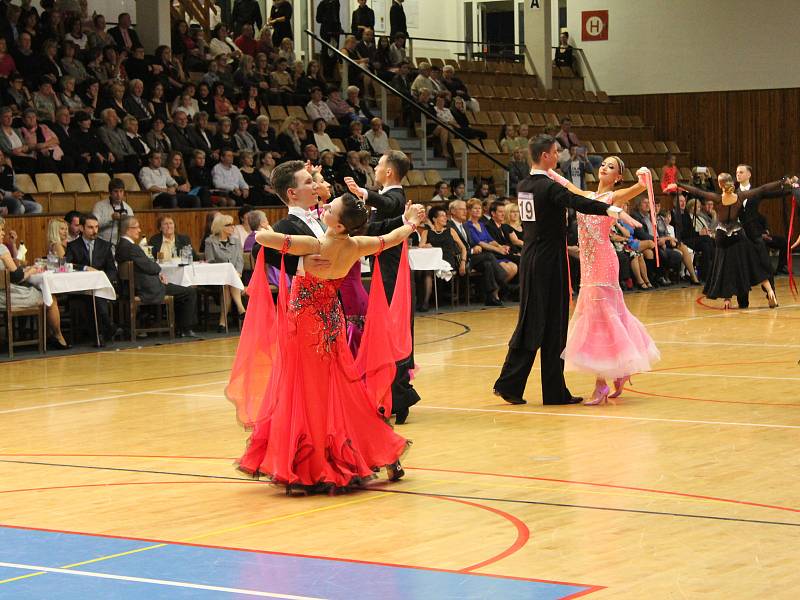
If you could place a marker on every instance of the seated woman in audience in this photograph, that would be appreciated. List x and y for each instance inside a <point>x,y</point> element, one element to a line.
<point>366,159</point>
<point>177,170</point>
<point>71,65</point>
<point>16,96</point>
<point>200,178</point>
<point>256,219</point>
<point>322,140</point>
<point>264,135</point>
<point>257,171</point>
<point>626,245</point>
<point>458,109</point>
<point>510,141</point>
<point>98,36</point>
<point>222,106</point>
<point>7,64</point>
<point>244,139</point>
<point>513,227</point>
<point>168,244</point>
<point>445,115</point>
<point>156,138</point>
<point>171,76</point>
<point>45,102</point>
<point>57,232</point>
<point>312,78</point>
<point>281,82</point>
<point>90,94</point>
<point>221,246</point>
<point>159,107</point>
<point>250,104</point>
<point>440,235</point>
<point>204,99</point>
<point>222,45</point>
<point>289,142</point>
<point>23,295</point>
<point>224,139</point>
<point>328,170</point>
<point>14,144</point>
<point>69,97</point>
<point>441,193</point>
<point>357,141</point>
<point>479,236</point>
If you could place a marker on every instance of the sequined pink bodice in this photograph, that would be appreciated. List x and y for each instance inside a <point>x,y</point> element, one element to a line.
<point>599,263</point>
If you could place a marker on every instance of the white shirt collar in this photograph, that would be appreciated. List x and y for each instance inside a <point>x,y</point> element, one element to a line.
<point>300,212</point>
<point>125,237</point>
<point>390,187</point>
<point>743,187</point>
<point>539,172</point>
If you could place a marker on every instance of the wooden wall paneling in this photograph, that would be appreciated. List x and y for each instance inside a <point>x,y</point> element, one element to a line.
<point>723,129</point>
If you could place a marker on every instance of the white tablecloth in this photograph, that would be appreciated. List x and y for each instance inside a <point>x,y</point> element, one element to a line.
<point>200,273</point>
<point>423,259</point>
<point>51,283</point>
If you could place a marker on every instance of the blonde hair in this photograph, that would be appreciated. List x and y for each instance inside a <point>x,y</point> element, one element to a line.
<point>725,182</point>
<point>53,230</point>
<point>287,123</point>
<point>513,207</point>
<point>219,223</point>
<point>473,202</point>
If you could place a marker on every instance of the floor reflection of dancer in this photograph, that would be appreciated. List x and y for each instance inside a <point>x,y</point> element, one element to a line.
<point>737,266</point>
<point>315,428</point>
<point>544,295</point>
<point>604,337</point>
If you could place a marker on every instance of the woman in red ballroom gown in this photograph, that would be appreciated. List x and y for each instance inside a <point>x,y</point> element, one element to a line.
<point>313,408</point>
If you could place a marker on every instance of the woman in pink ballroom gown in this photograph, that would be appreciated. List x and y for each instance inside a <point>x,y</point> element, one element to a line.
<point>604,337</point>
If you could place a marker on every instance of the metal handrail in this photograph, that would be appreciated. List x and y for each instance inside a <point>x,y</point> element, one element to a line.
<point>407,100</point>
<point>587,67</point>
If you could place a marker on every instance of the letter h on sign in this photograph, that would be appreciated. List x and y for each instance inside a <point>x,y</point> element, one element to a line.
<point>594,25</point>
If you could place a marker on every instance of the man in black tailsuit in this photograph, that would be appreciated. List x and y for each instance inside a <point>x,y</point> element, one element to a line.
<point>389,205</point>
<point>544,295</point>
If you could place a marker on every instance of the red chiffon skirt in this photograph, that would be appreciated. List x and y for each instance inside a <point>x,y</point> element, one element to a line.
<point>315,411</point>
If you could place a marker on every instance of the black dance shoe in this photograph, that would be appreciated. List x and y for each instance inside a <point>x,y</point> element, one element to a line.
<point>395,472</point>
<point>571,400</point>
<point>401,416</point>
<point>509,398</point>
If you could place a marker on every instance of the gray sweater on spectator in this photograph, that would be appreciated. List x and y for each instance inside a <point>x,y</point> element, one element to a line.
<point>229,251</point>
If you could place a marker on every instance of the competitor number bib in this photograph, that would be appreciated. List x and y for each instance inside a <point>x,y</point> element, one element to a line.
<point>527,212</point>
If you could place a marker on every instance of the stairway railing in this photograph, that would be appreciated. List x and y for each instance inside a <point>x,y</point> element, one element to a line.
<point>194,10</point>
<point>425,113</point>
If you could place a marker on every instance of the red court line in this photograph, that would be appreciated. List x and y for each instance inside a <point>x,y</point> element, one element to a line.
<point>591,588</point>
<point>699,301</point>
<point>749,402</point>
<point>590,483</point>
<point>523,533</point>
<point>609,485</point>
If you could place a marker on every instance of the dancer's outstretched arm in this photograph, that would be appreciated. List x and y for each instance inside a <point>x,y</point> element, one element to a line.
<point>367,245</point>
<point>701,193</point>
<point>620,196</point>
<point>774,189</point>
<point>300,245</point>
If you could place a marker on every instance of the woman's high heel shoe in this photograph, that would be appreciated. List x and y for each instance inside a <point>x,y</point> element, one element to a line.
<point>726,305</point>
<point>772,299</point>
<point>618,386</point>
<point>600,396</point>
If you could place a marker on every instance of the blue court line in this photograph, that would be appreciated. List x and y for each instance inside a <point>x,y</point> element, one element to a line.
<point>175,571</point>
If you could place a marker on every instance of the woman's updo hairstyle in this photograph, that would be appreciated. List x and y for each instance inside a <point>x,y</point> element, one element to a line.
<point>620,166</point>
<point>354,214</point>
<point>726,183</point>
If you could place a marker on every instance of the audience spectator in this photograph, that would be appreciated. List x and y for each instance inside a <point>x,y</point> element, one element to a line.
<point>131,128</point>
<point>281,82</point>
<point>377,137</point>
<point>123,156</point>
<point>89,252</point>
<point>155,178</point>
<point>149,282</point>
<point>57,232</point>
<point>312,78</point>
<point>221,246</point>
<point>73,221</point>
<point>669,175</point>
<point>280,19</point>
<point>576,168</point>
<point>365,160</point>
<point>109,212</point>
<point>256,219</point>
<point>440,235</point>
<point>458,110</point>
<point>513,227</point>
<point>327,15</point>
<point>496,228</point>
<point>493,275</point>
<point>397,51</point>
<point>123,35</point>
<point>363,18</point>
<point>167,243</point>
<point>567,139</point>
<point>228,178</point>
<point>41,139</point>
<point>457,88</point>
<point>352,168</point>
<point>289,142</point>
<point>264,134</point>
<point>246,13</point>
<point>12,200</point>
<point>244,139</point>
<point>441,192</point>
<point>518,169</point>
<point>397,19</point>
<point>564,56</point>
<point>247,42</point>
<point>177,169</point>
<point>23,296</point>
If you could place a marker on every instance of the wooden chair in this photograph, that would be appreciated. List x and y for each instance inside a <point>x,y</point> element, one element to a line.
<point>603,97</point>
<point>98,182</point>
<point>589,121</point>
<point>277,113</point>
<point>625,121</point>
<point>394,144</point>
<point>537,120</point>
<point>75,182</point>
<point>133,302</point>
<point>39,312</point>
<point>625,147</point>
<point>432,177</point>
<point>685,174</point>
<point>131,184</point>
<point>661,147</point>
<point>638,147</point>
<point>298,112</point>
<point>601,121</point>
<point>416,178</point>
<point>510,118</point>
<point>613,121</point>
<point>613,147</point>
<point>600,147</point>
<point>650,147</point>
<point>636,121</point>
<point>673,147</point>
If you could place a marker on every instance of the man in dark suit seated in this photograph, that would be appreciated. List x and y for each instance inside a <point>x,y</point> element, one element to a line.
<point>88,252</point>
<point>151,285</point>
<point>123,35</point>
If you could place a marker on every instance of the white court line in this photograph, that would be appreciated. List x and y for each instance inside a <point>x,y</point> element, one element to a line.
<point>102,398</point>
<point>645,374</point>
<point>744,344</point>
<point>625,418</point>
<point>164,582</point>
<point>185,395</point>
